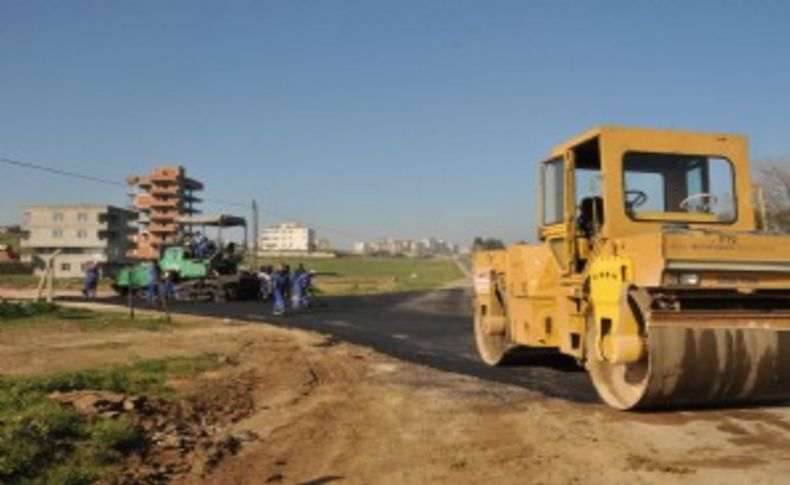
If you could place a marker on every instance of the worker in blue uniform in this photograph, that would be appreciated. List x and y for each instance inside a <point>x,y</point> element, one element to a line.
<point>91,280</point>
<point>169,286</point>
<point>279,287</point>
<point>201,245</point>
<point>153,281</point>
<point>301,289</point>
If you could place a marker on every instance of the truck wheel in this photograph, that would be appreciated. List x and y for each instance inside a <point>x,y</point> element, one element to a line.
<point>218,295</point>
<point>230,294</point>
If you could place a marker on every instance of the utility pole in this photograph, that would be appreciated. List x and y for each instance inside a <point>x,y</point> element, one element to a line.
<point>254,235</point>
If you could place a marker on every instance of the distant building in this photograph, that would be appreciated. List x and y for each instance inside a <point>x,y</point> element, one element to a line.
<point>324,245</point>
<point>83,233</point>
<point>8,254</point>
<point>160,198</point>
<point>288,237</point>
<point>362,248</point>
<point>9,248</point>
<point>12,230</point>
<point>426,247</point>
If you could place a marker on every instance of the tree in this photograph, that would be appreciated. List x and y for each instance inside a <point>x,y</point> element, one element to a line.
<point>480,244</point>
<point>774,178</point>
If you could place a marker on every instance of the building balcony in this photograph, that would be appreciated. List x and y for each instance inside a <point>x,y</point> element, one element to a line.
<point>170,202</point>
<point>156,227</point>
<point>166,189</point>
<point>191,184</point>
<point>167,174</point>
<point>143,201</point>
<point>163,215</point>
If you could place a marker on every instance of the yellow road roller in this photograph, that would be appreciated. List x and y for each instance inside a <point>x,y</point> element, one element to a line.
<point>649,270</point>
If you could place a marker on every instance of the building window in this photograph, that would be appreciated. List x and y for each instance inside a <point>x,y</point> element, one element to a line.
<point>82,233</point>
<point>57,233</point>
<point>82,217</point>
<point>65,266</point>
<point>57,217</point>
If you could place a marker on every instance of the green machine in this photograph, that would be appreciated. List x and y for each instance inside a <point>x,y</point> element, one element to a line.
<point>213,273</point>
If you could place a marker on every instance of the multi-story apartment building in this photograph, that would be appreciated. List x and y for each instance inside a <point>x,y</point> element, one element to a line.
<point>83,233</point>
<point>288,236</point>
<point>161,197</point>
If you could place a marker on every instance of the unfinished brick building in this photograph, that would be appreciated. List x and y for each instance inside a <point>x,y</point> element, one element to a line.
<point>160,198</point>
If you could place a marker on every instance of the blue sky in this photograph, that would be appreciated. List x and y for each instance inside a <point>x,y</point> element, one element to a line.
<point>370,118</point>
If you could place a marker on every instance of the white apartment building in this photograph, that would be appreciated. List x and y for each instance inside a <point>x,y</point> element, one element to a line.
<point>83,233</point>
<point>287,237</point>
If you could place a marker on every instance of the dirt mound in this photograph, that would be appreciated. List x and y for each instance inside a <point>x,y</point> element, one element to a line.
<point>185,436</point>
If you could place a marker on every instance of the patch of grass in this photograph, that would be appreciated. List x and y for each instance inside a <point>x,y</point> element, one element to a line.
<point>143,377</point>
<point>9,310</point>
<point>47,314</point>
<point>29,281</point>
<point>42,442</point>
<point>358,275</point>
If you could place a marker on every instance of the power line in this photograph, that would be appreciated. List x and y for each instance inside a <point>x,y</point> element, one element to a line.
<point>64,173</point>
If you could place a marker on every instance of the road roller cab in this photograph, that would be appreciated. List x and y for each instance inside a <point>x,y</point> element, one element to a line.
<point>649,269</point>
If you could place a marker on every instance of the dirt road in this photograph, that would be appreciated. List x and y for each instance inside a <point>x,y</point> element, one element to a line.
<point>390,391</point>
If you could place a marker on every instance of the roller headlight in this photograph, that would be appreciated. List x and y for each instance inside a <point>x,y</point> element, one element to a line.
<point>688,279</point>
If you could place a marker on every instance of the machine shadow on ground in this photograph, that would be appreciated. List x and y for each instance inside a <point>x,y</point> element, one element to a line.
<point>427,328</point>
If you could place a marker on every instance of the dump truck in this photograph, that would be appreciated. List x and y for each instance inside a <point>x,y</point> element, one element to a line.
<point>650,270</point>
<point>216,275</point>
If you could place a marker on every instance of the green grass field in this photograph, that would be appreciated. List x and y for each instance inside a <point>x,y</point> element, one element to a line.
<point>27,281</point>
<point>359,276</point>
<point>14,315</point>
<point>337,276</point>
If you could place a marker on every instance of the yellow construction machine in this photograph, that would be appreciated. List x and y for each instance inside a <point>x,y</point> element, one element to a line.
<point>650,270</point>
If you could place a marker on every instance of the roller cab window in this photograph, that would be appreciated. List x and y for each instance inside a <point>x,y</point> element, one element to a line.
<point>553,191</point>
<point>678,188</point>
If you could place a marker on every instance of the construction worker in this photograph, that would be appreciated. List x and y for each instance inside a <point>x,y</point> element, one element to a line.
<point>279,287</point>
<point>286,269</point>
<point>201,245</point>
<point>169,287</point>
<point>153,282</point>
<point>299,270</point>
<point>265,278</point>
<point>91,280</point>
<point>301,289</point>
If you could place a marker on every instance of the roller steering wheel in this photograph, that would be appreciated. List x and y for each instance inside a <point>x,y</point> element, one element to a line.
<point>708,198</point>
<point>638,201</point>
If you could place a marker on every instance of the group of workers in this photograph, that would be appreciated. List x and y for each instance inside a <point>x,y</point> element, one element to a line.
<point>280,285</point>
<point>93,275</point>
<point>283,286</point>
